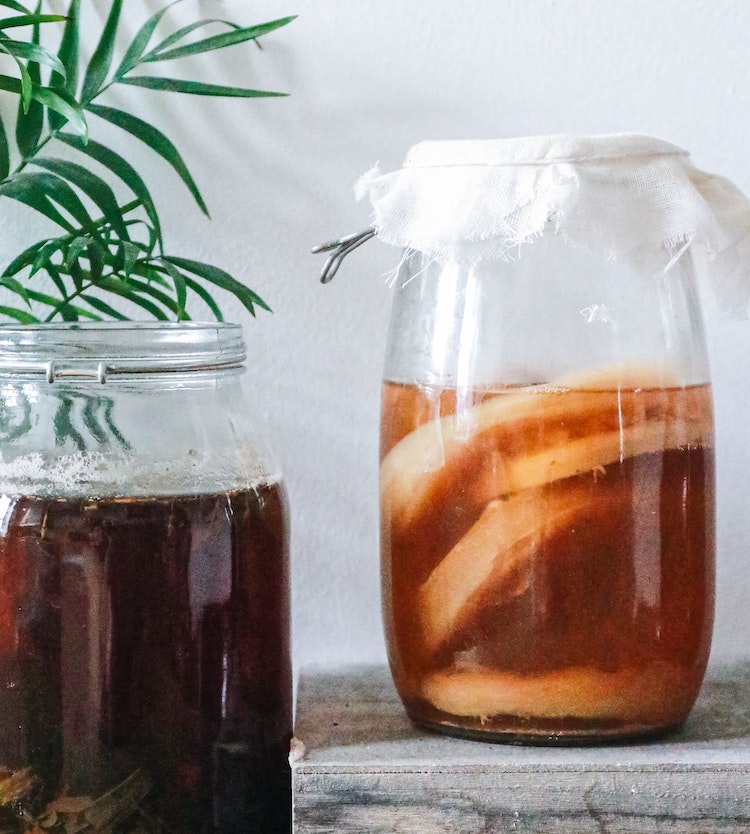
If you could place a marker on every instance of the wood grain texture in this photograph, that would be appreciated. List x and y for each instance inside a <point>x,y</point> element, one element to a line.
<point>367,769</point>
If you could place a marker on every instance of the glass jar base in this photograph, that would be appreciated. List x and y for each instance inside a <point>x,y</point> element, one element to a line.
<point>533,732</point>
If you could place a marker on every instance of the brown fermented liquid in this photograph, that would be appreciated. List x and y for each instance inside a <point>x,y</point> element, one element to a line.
<point>548,558</point>
<point>144,663</point>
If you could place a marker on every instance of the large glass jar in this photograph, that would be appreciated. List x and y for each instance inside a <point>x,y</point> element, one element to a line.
<point>547,490</point>
<point>145,680</point>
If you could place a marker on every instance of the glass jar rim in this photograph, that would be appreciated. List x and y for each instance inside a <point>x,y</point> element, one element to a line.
<point>101,349</point>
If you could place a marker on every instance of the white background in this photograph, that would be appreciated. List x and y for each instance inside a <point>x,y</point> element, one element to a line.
<point>367,79</point>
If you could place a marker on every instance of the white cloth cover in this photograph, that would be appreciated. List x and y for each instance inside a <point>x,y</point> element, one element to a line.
<point>632,196</point>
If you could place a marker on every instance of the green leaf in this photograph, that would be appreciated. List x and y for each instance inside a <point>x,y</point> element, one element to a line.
<point>92,185</point>
<point>222,279</point>
<point>218,41</point>
<point>27,86</point>
<point>35,256</point>
<point>26,258</point>
<point>96,262</point>
<point>56,278</point>
<point>76,273</point>
<point>10,84</point>
<point>122,169</point>
<point>101,60</point>
<point>33,52</point>
<point>184,32</point>
<point>25,189</point>
<point>130,254</point>
<point>4,152</point>
<point>140,42</point>
<point>15,286</point>
<point>29,20</point>
<point>61,193</point>
<point>148,287</point>
<point>68,55</point>
<point>30,119</point>
<point>54,188</point>
<point>77,246</point>
<point>103,307</point>
<point>202,293</point>
<point>12,4</point>
<point>58,100</point>
<point>195,88</point>
<point>19,315</point>
<point>156,273</point>
<point>124,289</point>
<point>146,248</point>
<point>155,140</point>
<point>64,104</point>
<point>44,255</point>
<point>180,288</point>
<point>47,300</point>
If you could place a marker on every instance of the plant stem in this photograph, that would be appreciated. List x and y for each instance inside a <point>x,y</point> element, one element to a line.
<point>65,301</point>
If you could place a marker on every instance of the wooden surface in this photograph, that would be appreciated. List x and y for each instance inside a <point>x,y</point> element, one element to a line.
<point>367,769</point>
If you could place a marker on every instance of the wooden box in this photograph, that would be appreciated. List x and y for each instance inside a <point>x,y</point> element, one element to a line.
<point>365,768</point>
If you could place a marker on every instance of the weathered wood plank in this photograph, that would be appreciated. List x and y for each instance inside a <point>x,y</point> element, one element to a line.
<point>367,769</point>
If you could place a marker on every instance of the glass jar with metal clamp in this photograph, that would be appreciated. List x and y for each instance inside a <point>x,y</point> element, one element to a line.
<point>547,474</point>
<point>145,679</point>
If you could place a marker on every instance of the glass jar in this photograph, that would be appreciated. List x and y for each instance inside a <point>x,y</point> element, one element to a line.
<point>144,621</point>
<point>547,465</point>
<point>547,494</point>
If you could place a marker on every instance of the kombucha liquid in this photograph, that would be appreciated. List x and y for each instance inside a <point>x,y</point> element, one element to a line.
<point>548,558</point>
<point>145,683</point>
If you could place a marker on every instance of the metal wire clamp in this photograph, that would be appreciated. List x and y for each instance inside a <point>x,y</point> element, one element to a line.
<point>339,249</point>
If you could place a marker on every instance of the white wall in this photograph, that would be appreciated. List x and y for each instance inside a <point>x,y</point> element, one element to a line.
<point>368,79</point>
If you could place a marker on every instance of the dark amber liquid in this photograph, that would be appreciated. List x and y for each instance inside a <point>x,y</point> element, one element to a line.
<point>148,639</point>
<point>594,620</point>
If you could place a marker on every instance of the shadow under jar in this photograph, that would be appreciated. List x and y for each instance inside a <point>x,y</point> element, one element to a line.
<point>547,495</point>
<point>145,680</point>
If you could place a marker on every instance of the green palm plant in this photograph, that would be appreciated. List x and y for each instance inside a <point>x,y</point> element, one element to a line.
<point>108,257</point>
